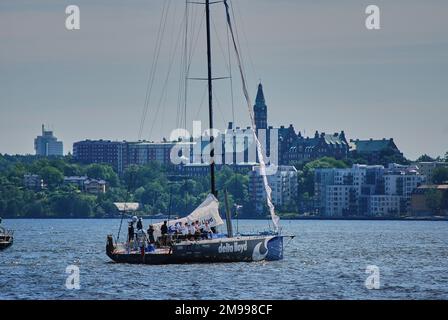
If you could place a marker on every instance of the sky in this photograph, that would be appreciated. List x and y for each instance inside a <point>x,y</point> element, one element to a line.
<point>320,67</point>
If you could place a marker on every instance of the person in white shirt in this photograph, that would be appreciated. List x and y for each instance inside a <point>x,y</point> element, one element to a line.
<point>191,231</point>
<point>206,231</point>
<point>184,230</point>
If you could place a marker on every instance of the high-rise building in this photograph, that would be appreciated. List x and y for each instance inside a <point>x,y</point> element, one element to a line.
<point>101,151</point>
<point>47,144</point>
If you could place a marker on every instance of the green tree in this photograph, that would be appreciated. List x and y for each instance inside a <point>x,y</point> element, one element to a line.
<point>425,158</point>
<point>51,176</point>
<point>440,175</point>
<point>434,200</point>
<point>104,172</point>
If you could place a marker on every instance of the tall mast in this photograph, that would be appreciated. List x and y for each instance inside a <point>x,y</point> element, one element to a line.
<point>210,99</point>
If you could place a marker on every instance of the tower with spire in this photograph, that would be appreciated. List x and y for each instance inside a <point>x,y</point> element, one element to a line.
<point>260,110</point>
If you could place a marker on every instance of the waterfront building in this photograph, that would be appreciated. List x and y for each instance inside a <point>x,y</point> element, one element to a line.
<point>47,144</point>
<point>283,183</point>
<point>420,201</point>
<point>338,191</point>
<point>365,190</point>
<point>402,181</point>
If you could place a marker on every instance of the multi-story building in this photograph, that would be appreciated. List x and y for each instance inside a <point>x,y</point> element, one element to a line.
<point>109,152</point>
<point>383,205</point>
<point>47,144</point>
<point>122,154</point>
<point>338,191</point>
<point>365,190</point>
<point>322,145</point>
<point>402,181</point>
<point>373,150</point>
<point>283,183</point>
<point>294,147</point>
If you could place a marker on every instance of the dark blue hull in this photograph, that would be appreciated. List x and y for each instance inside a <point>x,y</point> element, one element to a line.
<point>238,249</point>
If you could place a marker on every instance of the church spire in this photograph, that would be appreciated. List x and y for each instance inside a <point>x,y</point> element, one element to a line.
<point>260,109</point>
<point>259,100</point>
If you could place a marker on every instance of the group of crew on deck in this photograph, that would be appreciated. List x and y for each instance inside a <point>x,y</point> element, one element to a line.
<point>193,231</point>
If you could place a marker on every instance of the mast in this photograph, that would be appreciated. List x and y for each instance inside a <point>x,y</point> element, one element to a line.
<point>210,100</point>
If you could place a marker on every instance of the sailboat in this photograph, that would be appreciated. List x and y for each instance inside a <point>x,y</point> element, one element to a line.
<point>217,248</point>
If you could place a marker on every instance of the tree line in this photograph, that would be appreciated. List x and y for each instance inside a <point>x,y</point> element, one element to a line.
<point>152,185</point>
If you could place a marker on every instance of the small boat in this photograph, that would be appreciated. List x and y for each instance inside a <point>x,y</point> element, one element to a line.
<point>6,238</point>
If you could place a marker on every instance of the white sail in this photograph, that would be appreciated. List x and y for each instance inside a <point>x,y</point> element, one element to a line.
<point>268,190</point>
<point>207,211</point>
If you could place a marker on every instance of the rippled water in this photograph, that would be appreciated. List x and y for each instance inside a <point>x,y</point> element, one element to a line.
<point>327,260</point>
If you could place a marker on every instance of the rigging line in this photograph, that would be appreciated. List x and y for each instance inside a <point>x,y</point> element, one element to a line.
<point>163,92</point>
<point>150,73</point>
<point>254,70</point>
<point>159,41</point>
<point>219,44</point>
<point>193,49</point>
<point>274,217</point>
<point>202,102</point>
<point>219,107</point>
<point>165,85</point>
<point>240,53</point>
<point>181,84</point>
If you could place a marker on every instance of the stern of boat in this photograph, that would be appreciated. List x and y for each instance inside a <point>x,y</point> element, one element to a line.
<point>275,249</point>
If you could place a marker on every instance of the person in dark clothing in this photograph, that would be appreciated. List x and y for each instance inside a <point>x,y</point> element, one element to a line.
<point>139,224</point>
<point>164,231</point>
<point>164,228</point>
<point>151,234</point>
<point>130,232</point>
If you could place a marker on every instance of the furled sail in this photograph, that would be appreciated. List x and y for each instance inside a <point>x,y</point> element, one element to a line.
<point>207,211</point>
<point>268,190</point>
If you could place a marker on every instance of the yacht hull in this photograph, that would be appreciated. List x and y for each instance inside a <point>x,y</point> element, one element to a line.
<point>6,244</point>
<point>238,249</point>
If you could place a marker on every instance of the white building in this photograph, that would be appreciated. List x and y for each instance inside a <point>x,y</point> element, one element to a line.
<point>338,191</point>
<point>283,183</point>
<point>365,190</point>
<point>384,205</point>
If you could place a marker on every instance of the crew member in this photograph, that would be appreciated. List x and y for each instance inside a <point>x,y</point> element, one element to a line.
<point>164,231</point>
